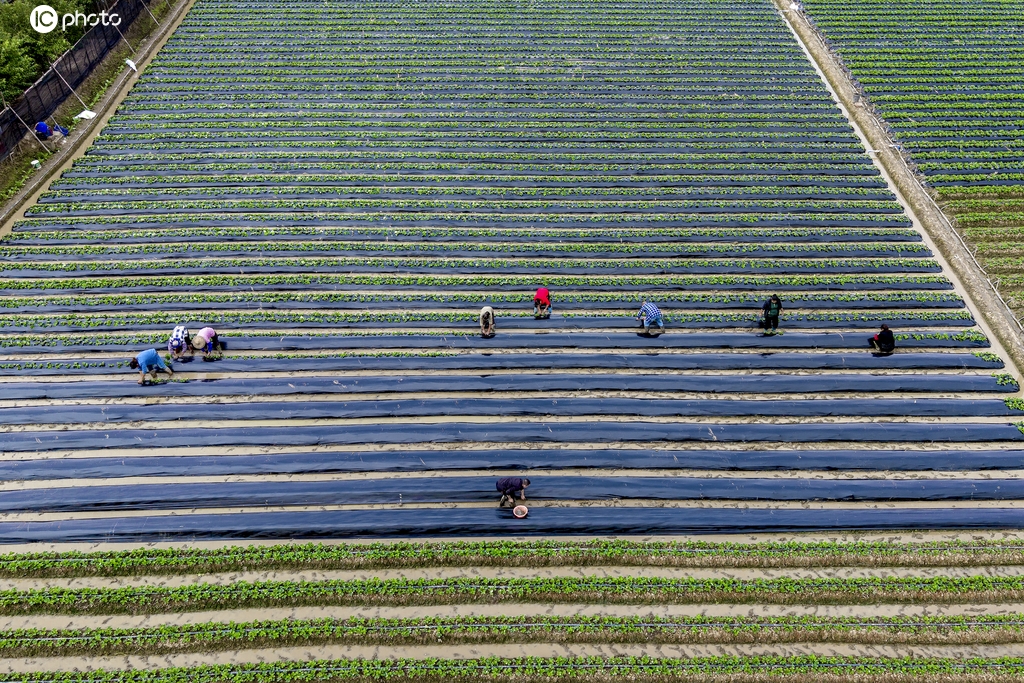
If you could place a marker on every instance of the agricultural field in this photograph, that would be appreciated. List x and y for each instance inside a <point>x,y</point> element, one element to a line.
<point>338,189</point>
<point>537,610</point>
<point>340,215</point>
<point>946,78</point>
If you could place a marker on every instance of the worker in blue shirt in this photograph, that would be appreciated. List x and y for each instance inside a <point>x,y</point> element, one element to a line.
<point>149,361</point>
<point>650,315</point>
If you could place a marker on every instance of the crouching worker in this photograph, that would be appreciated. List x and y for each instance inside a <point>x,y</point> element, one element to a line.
<point>486,322</point>
<point>542,303</point>
<point>508,487</point>
<point>149,361</point>
<point>180,343</point>
<point>650,315</point>
<point>884,342</point>
<point>207,343</point>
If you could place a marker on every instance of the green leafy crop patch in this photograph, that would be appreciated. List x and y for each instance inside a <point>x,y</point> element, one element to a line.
<point>528,670</point>
<point>621,590</point>
<point>967,146</point>
<point>536,553</point>
<point>214,636</point>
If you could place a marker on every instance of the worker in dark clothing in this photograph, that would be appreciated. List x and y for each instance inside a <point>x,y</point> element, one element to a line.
<point>884,342</point>
<point>770,314</point>
<point>508,487</point>
<point>43,131</point>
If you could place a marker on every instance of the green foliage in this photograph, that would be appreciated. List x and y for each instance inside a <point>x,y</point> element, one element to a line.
<point>212,636</point>
<point>507,553</point>
<point>615,590</point>
<point>26,54</point>
<point>537,669</point>
<point>1004,379</point>
<point>951,107</point>
<point>17,68</point>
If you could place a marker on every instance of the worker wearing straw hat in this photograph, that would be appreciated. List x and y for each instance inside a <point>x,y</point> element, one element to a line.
<point>206,342</point>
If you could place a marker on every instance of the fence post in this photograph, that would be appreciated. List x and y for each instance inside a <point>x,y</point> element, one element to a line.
<point>32,133</point>
<point>80,100</point>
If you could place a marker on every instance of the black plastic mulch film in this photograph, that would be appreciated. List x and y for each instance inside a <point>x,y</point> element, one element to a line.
<point>540,407</point>
<point>563,382</point>
<point>657,140</point>
<point>517,361</point>
<point>470,489</point>
<point>550,341</point>
<point>483,522</point>
<point>540,460</point>
<point>540,432</point>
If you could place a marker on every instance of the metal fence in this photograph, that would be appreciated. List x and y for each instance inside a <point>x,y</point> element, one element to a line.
<point>69,71</point>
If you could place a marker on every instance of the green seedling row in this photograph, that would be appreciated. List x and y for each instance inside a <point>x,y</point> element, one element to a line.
<point>903,282</point>
<point>619,590</point>
<point>213,636</point>
<point>522,297</point>
<point>540,553</point>
<point>535,670</point>
<point>71,251</point>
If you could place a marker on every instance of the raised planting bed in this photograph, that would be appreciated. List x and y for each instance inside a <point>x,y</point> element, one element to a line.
<point>539,458</point>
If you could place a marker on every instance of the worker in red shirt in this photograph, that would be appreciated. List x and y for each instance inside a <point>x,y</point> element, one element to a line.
<point>542,303</point>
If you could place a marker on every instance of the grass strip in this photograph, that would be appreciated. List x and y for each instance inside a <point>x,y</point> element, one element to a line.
<point>620,590</point>
<point>527,670</point>
<point>540,553</point>
<point>213,636</point>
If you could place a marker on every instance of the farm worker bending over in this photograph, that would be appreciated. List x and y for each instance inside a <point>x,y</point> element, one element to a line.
<point>487,322</point>
<point>206,341</point>
<point>43,131</point>
<point>884,341</point>
<point>542,303</point>
<point>180,342</point>
<point>149,361</point>
<point>650,315</point>
<point>771,310</point>
<point>508,487</point>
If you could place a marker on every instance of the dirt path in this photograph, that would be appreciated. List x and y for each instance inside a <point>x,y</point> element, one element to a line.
<point>1012,538</point>
<point>510,573</point>
<point>291,654</point>
<point>485,610</point>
